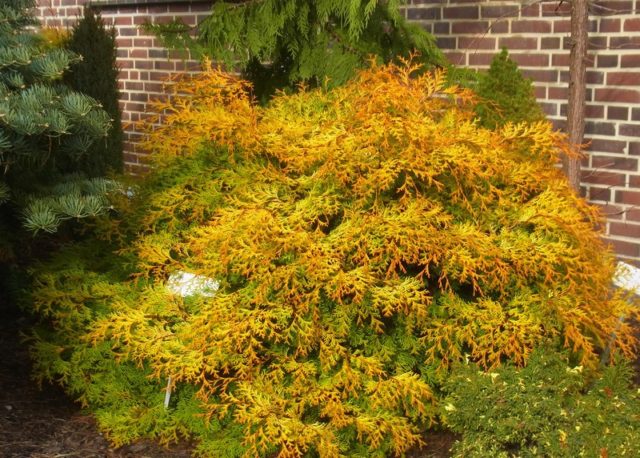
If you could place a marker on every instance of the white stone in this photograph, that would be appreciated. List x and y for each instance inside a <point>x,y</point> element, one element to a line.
<point>627,277</point>
<point>187,284</point>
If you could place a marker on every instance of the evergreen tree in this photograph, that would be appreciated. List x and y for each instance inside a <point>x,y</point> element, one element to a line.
<point>45,129</point>
<point>506,94</point>
<point>279,43</point>
<point>97,76</point>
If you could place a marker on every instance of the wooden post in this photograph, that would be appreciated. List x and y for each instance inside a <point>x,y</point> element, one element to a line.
<point>577,86</point>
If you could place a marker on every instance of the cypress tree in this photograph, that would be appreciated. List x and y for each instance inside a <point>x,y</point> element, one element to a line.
<point>280,43</point>
<point>507,95</point>
<point>97,76</point>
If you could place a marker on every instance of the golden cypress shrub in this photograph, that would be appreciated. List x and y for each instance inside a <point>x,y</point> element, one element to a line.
<point>364,237</point>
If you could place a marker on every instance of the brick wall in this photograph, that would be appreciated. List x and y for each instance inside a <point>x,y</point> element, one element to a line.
<point>537,36</point>
<point>470,32</point>
<point>144,64</point>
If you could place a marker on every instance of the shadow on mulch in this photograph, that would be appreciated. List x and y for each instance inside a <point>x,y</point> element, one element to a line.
<point>44,423</point>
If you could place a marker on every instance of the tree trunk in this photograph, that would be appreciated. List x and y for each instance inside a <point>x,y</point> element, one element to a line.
<point>577,86</point>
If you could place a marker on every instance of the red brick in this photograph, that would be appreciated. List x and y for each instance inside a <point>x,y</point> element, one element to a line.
<point>121,20</point>
<point>623,79</point>
<point>613,162</point>
<point>499,26</point>
<point>139,53</point>
<point>563,26</point>
<point>458,58</point>
<point>624,229</point>
<point>550,43</point>
<point>460,12</point>
<point>480,59</point>
<point>518,43</point>
<point>476,43</point>
<point>621,113</point>
<point>628,42</point>
<point>133,86</point>
<point>531,60</point>
<point>499,11</point>
<point>617,95</point>
<point>139,20</point>
<point>599,128</point>
<point>608,25</point>
<point>629,130</point>
<point>124,42</point>
<point>628,197</point>
<point>596,43</point>
<point>630,61</point>
<point>560,60</point>
<point>596,193</point>
<point>542,76</point>
<point>127,31</point>
<point>602,178</point>
<point>530,10</point>
<point>632,25</point>
<point>595,77</point>
<point>556,9</point>
<point>131,106</point>
<point>606,61</point>
<point>143,42</point>
<point>610,211</point>
<point>529,26</point>
<point>442,28</point>
<point>558,93</point>
<point>164,65</point>
<point>550,109</point>
<point>421,14</point>
<point>156,9</point>
<point>469,27</point>
<point>609,7</point>
<point>624,248</point>
<point>446,43</point>
<point>596,112</point>
<point>633,214</point>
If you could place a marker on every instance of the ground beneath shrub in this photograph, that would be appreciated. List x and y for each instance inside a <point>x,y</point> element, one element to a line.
<point>43,423</point>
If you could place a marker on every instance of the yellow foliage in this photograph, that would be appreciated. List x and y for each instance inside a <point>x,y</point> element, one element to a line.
<point>364,238</point>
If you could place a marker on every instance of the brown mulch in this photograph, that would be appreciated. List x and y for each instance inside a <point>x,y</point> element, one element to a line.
<point>42,422</point>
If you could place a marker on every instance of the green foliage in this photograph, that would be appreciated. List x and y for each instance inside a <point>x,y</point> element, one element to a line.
<point>97,76</point>
<point>506,95</point>
<point>44,125</point>
<point>548,408</point>
<point>279,43</point>
<point>365,239</point>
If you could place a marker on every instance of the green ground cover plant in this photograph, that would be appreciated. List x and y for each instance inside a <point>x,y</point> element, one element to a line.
<point>366,240</point>
<point>548,408</point>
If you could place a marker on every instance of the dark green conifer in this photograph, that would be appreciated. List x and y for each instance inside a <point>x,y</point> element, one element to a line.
<point>44,127</point>
<point>507,95</point>
<point>97,76</point>
<point>279,43</point>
